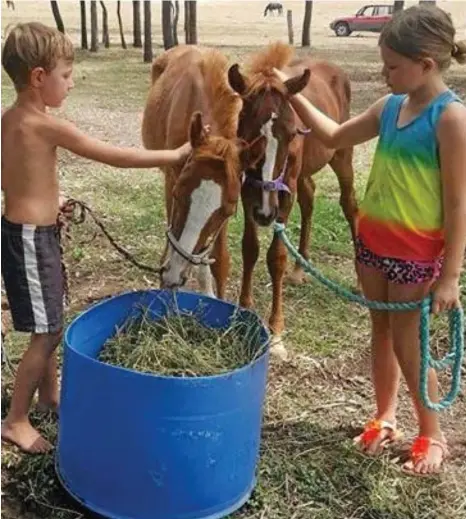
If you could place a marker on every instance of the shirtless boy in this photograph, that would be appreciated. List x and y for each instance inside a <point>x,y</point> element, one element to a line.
<point>39,61</point>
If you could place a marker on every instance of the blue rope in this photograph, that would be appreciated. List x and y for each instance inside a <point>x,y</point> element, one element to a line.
<point>452,359</point>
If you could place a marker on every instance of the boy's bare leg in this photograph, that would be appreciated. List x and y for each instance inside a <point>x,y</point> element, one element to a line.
<point>16,427</point>
<point>406,343</point>
<point>49,397</point>
<point>385,369</point>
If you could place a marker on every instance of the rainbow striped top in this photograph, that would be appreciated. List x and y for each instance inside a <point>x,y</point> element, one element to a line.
<point>401,215</point>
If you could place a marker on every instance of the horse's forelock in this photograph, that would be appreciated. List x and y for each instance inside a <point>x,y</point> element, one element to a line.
<point>218,148</point>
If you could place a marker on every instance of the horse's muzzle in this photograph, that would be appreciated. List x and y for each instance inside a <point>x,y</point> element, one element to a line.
<point>262,219</point>
<point>170,284</point>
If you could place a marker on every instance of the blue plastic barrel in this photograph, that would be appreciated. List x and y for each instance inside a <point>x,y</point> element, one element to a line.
<point>141,446</point>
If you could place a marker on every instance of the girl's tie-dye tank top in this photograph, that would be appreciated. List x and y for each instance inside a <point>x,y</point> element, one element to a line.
<point>401,215</point>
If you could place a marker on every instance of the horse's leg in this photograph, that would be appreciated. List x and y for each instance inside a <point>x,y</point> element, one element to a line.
<point>221,268</point>
<point>250,251</point>
<point>276,264</point>
<point>342,164</point>
<point>306,190</point>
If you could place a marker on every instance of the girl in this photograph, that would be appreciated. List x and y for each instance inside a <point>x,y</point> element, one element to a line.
<point>412,221</point>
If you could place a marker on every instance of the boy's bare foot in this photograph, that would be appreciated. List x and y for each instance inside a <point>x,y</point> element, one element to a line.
<point>427,457</point>
<point>24,436</point>
<point>376,436</point>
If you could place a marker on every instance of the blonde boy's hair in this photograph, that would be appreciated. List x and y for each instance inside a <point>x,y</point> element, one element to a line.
<point>31,45</point>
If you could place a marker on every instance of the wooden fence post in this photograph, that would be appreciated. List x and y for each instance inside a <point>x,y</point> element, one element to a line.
<point>289,20</point>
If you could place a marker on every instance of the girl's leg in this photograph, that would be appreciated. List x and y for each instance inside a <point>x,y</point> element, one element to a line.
<point>405,326</point>
<point>16,427</point>
<point>385,368</point>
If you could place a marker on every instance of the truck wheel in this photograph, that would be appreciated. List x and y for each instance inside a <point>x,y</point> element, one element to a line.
<point>342,29</point>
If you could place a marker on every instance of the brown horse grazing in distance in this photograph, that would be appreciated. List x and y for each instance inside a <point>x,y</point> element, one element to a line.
<point>293,155</point>
<point>201,194</point>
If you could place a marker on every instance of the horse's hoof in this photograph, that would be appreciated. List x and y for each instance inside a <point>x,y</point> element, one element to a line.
<point>277,349</point>
<point>246,303</point>
<point>296,278</point>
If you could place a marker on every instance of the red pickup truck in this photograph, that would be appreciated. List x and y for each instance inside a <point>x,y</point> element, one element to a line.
<point>369,18</point>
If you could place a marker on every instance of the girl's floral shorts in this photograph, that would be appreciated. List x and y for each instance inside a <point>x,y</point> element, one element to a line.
<point>397,270</point>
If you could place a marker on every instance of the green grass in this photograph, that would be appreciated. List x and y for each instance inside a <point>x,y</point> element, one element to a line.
<point>308,468</point>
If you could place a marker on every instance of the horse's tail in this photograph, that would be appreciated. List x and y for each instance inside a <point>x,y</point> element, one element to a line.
<point>266,9</point>
<point>347,89</point>
<point>342,87</point>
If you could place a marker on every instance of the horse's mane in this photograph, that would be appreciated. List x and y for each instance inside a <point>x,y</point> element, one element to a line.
<point>259,68</point>
<point>225,103</point>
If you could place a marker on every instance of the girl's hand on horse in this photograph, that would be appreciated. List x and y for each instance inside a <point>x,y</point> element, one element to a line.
<point>279,74</point>
<point>446,294</point>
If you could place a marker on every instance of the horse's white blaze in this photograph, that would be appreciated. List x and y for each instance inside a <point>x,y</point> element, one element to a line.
<point>205,200</point>
<point>269,164</point>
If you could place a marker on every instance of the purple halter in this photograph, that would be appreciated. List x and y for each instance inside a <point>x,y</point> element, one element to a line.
<point>277,184</point>
<point>271,185</point>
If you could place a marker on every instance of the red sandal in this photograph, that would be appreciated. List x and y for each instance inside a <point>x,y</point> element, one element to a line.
<point>374,429</point>
<point>419,451</point>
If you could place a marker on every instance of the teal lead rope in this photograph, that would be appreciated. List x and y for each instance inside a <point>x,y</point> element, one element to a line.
<point>452,359</point>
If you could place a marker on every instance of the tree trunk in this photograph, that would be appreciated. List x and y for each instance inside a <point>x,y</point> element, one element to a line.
<point>137,38</point>
<point>57,16</point>
<point>193,22</point>
<point>187,38</point>
<point>147,32</point>
<point>289,21</point>
<point>120,25</point>
<point>190,8</point>
<point>175,22</point>
<point>94,36</point>
<point>398,5</point>
<point>105,35</point>
<point>84,45</point>
<point>306,38</point>
<point>167,25</point>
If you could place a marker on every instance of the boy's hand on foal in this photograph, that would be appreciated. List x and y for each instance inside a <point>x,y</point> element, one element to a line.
<point>446,295</point>
<point>183,152</point>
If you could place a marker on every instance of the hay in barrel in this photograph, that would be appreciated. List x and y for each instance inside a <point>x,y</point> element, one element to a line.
<point>181,345</point>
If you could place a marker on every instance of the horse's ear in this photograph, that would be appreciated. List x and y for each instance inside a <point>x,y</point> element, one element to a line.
<point>236,79</point>
<point>252,153</point>
<point>297,83</point>
<point>197,134</point>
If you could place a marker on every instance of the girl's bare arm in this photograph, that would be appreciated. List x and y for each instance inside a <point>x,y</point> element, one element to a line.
<point>361,128</point>
<point>451,134</point>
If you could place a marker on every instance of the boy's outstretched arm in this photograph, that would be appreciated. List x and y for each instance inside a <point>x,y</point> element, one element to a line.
<point>356,130</point>
<point>67,135</point>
